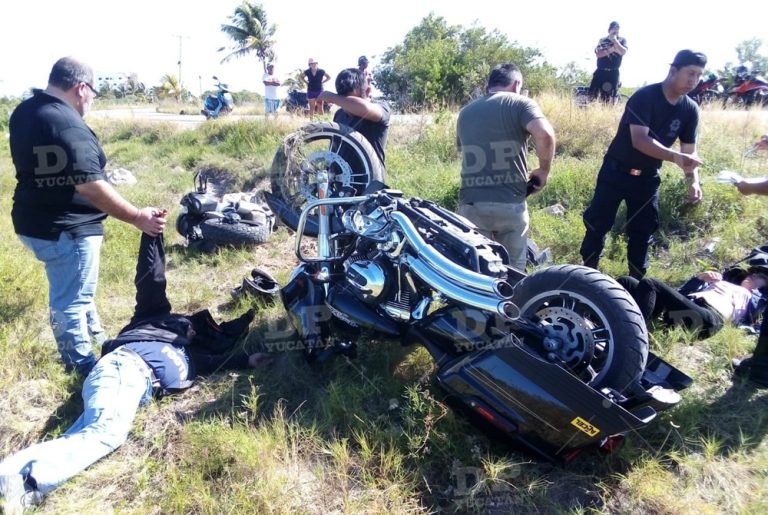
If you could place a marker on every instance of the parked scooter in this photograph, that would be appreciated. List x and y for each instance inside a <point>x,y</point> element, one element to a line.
<point>219,104</point>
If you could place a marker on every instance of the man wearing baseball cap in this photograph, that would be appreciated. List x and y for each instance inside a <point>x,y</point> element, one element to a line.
<point>654,118</point>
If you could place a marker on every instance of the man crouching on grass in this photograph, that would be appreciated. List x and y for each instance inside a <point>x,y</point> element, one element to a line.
<point>157,353</point>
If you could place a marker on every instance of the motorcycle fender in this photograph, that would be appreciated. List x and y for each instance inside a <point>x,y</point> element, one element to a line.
<point>304,301</point>
<point>539,404</point>
<point>290,218</point>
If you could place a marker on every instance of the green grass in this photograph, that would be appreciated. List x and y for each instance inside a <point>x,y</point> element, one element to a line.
<point>372,434</point>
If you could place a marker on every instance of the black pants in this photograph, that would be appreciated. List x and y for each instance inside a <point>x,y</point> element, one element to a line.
<point>658,299</point>
<point>641,194</point>
<point>151,298</point>
<point>604,84</point>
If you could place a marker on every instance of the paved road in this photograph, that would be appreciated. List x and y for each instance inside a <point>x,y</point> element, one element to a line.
<point>190,121</point>
<point>149,114</point>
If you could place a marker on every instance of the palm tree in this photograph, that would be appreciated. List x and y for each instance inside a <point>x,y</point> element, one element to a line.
<point>250,32</point>
<point>294,82</point>
<point>170,87</point>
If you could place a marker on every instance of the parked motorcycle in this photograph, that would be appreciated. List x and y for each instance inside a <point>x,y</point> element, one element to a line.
<point>297,103</point>
<point>219,104</point>
<point>708,90</point>
<point>206,221</point>
<point>749,89</point>
<point>557,360</point>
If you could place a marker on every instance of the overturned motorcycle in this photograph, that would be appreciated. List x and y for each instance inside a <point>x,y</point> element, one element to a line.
<point>207,221</point>
<point>557,360</point>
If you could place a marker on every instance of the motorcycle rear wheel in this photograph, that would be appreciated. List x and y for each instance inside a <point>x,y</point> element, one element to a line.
<point>603,335</point>
<point>346,154</point>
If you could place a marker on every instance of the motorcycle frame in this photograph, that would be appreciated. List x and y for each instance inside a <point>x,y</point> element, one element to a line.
<point>538,404</point>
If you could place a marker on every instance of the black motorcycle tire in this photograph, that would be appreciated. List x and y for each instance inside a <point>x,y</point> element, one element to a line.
<point>238,234</point>
<point>589,304</point>
<point>286,175</point>
<point>183,225</point>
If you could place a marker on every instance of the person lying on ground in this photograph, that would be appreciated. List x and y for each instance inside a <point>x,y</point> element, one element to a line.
<point>157,353</point>
<point>703,309</point>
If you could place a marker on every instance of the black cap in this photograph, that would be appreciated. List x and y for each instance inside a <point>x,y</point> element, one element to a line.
<point>689,58</point>
<point>613,25</point>
<point>362,60</point>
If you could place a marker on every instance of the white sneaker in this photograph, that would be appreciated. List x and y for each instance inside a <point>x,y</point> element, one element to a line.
<point>14,498</point>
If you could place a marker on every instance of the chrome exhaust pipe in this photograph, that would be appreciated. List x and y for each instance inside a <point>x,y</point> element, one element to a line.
<point>459,276</point>
<point>456,292</point>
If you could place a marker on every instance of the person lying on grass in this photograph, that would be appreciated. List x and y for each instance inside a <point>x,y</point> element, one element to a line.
<point>157,353</point>
<point>704,303</point>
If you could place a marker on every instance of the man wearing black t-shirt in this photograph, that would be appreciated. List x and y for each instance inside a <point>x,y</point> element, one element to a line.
<point>654,117</point>
<point>609,51</point>
<point>157,353</point>
<point>61,200</point>
<point>371,119</point>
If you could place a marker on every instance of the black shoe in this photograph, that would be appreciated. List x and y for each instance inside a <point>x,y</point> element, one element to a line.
<point>260,284</point>
<point>741,367</point>
<point>754,372</point>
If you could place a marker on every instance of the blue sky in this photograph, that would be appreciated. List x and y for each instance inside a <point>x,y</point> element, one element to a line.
<point>139,36</point>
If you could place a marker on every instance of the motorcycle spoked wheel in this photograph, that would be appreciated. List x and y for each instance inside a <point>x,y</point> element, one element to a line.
<point>347,156</point>
<point>602,333</point>
<point>225,233</point>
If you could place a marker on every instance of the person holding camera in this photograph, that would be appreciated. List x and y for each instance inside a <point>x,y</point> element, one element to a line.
<point>609,51</point>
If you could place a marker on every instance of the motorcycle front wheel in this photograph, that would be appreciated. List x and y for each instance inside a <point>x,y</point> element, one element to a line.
<point>345,154</point>
<point>594,326</point>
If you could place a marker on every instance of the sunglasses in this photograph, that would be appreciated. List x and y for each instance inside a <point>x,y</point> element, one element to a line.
<point>95,93</point>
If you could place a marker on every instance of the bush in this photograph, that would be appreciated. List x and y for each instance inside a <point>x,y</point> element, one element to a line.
<point>7,105</point>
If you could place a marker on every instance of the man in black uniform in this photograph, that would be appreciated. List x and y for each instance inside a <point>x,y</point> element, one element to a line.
<point>654,117</point>
<point>158,352</point>
<point>609,51</point>
<point>61,200</point>
<point>371,119</point>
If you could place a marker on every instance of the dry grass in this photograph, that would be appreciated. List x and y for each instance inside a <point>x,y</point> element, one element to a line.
<point>370,435</point>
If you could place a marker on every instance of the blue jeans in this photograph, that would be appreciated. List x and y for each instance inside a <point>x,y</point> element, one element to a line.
<point>112,393</point>
<point>72,267</point>
<point>271,105</point>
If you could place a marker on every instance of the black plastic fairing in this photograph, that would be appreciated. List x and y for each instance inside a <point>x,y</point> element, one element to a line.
<point>553,410</point>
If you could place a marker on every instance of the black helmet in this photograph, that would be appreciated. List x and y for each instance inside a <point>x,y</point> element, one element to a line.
<point>758,262</point>
<point>260,284</point>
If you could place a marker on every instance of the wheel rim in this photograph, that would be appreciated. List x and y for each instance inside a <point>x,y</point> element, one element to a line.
<point>577,331</point>
<point>347,164</point>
